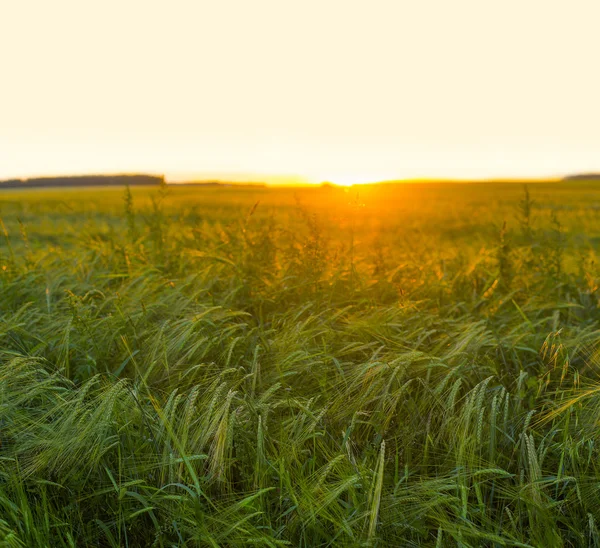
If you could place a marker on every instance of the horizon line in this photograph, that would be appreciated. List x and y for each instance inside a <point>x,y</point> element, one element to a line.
<point>298,180</point>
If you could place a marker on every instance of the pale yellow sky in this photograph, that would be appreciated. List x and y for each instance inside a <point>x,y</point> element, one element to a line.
<point>330,90</point>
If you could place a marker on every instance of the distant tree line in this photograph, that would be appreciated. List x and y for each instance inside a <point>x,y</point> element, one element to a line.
<point>583,177</point>
<point>84,180</point>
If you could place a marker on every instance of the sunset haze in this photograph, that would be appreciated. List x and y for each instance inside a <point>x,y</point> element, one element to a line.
<point>339,91</point>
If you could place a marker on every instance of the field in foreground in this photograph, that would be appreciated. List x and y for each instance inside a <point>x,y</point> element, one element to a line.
<point>388,366</point>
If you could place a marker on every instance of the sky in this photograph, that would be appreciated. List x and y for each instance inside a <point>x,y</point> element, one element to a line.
<point>342,91</point>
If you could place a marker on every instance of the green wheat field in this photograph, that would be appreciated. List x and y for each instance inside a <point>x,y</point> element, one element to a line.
<point>386,365</point>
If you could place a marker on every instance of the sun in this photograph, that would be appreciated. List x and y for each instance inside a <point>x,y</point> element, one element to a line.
<point>349,179</point>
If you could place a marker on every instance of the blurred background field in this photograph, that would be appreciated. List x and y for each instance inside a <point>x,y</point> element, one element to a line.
<point>392,365</point>
<point>376,211</point>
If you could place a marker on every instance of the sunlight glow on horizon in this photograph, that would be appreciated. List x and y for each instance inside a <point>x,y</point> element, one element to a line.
<point>340,91</point>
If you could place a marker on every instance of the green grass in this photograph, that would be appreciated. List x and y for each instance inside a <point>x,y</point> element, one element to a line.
<point>387,366</point>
